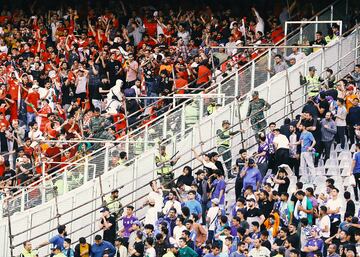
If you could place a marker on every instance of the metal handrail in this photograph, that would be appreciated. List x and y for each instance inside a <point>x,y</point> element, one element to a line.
<point>194,81</point>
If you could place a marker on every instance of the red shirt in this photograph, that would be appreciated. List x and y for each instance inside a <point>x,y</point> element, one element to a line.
<point>33,99</point>
<point>203,75</point>
<point>180,83</point>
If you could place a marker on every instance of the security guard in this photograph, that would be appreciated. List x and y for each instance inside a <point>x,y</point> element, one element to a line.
<point>57,252</point>
<point>113,203</point>
<point>212,107</point>
<point>312,82</point>
<point>191,114</point>
<point>164,162</point>
<point>27,251</point>
<point>223,143</point>
<point>255,113</point>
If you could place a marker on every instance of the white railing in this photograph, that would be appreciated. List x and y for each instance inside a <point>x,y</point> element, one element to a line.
<point>341,56</point>
<point>239,83</point>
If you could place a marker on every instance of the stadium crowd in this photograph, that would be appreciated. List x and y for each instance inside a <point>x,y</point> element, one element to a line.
<point>64,77</point>
<point>194,216</point>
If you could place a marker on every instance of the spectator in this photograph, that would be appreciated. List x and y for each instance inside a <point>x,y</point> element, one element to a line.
<point>68,251</point>
<point>82,248</point>
<point>108,225</point>
<point>28,251</point>
<point>340,121</point>
<point>328,132</point>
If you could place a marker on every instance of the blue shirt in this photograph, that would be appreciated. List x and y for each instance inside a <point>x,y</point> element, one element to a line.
<point>251,178</point>
<point>314,242</point>
<point>194,206</point>
<point>98,250</point>
<point>219,185</point>
<point>357,163</point>
<point>57,241</point>
<point>306,139</point>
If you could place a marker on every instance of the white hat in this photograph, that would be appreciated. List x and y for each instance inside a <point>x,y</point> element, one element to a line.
<point>35,86</point>
<point>215,201</point>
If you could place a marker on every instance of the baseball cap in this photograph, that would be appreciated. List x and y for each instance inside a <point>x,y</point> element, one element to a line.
<point>35,86</point>
<point>255,93</point>
<point>312,68</point>
<point>225,122</point>
<point>104,209</point>
<point>136,222</point>
<point>57,247</point>
<point>215,201</point>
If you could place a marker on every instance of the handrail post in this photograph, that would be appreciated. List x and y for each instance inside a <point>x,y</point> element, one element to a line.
<point>252,75</point>
<point>65,178</point>
<point>165,121</point>
<point>22,206</point>
<point>43,188</point>
<point>201,106</point>
<point>183,120</point>
<point>236,82</point>
<point>316,25</point>
<point>146,138</point>
<point>331,13</point>
<point>269,63</point>
<point>86,169</point>
<point>106,164</point>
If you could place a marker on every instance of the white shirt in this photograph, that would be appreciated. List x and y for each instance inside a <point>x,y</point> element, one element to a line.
<point>298,56</point>
<point>334,204</point>
<point>177,233</point>
<point>211,215</point>
<point>122,251</point>
<point>172,204</point>
<point>158,198</point>
<point>281,141</point>
<point>185,35</point>
<point>322,223</point>
<point>260,24</point>
<point>261,252</point>
<point>151,216</point>
<point>150,252</point>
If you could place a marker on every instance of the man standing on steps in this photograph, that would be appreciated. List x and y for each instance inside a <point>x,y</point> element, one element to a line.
<point>223,143</point>
<point>255,113</point>
<point>165,163</point>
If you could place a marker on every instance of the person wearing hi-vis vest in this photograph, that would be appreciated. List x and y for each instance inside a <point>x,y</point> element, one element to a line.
<point>223,142</point>
<point>165,162</point>
<point>191,114</point>
<point>312,82</point>
<point>28,251</point>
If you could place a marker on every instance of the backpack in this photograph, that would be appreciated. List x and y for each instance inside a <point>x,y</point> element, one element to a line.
<point>129,92</point>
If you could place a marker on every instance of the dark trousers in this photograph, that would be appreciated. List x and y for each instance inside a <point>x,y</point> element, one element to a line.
<point>294,165</point>
<point>325,149</point>
<point>357,186</point>
<point>281,156</point>
<point>340,136</point>
<point>238,187</point>
<point>352,135</point>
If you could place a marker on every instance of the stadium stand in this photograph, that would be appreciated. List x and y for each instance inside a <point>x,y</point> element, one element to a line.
<point>227,129</point>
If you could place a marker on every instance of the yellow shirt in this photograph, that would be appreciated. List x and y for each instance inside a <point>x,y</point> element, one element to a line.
<point>83,249</point>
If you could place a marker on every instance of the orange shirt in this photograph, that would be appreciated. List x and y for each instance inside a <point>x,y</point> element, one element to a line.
<point>180,83</point>
<point>204,75</point>
<point>348,101</point>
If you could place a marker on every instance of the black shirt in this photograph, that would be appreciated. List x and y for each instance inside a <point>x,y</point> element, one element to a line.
<point>139,247</point>
<point>323,104</point>
<point>283,188</point>
<point>110,234</point>
<point>266,207</point>
<point>350,208</point>
<point>295,240</point>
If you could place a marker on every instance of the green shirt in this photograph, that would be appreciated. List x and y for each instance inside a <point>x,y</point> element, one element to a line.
<point>187,252</point>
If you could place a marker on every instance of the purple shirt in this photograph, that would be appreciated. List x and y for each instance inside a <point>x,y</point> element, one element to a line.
<point>263,147</point>
<point>252,177</point>
<point>127,223</point>
<point>219,185</point>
